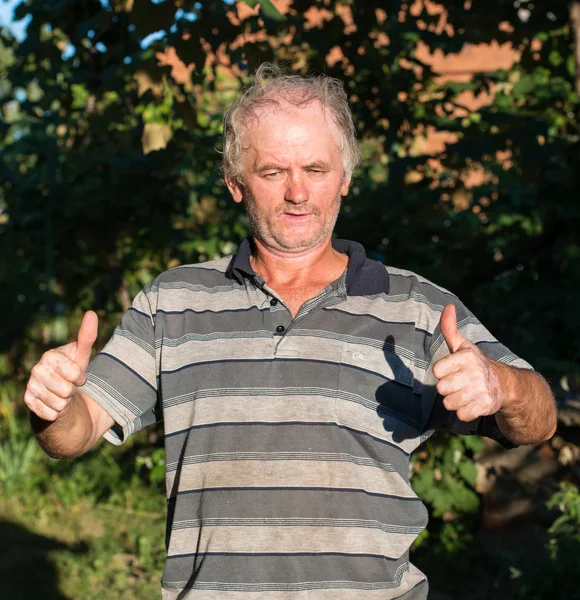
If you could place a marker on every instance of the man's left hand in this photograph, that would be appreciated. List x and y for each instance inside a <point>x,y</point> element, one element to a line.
<point>468,380</point>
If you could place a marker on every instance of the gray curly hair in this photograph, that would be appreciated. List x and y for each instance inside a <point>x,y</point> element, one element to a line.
<point>270,85</point>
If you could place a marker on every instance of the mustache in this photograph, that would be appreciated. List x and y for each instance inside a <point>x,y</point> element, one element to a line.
<point>303,210</point>
<point>286,207</point>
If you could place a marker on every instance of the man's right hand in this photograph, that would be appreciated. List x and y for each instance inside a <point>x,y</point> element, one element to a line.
<point>54,379</point>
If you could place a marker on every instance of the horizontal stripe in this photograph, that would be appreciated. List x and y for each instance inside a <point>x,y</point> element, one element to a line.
<point>201,555</point>
<point>135,311</point>
<point>403,278</point>
<point>289,569</point>
<point>134,358</point>
<point>218,266</point>
<point>131,409</point>
<point>250,363</point>
<point>210,337</point>
<point>212,313</point>
<point>240,431</point>
<point>294,522</point>
<point>122,333</point>
<point>269,456</point>
<point>388,309</point>
<point>294,473</point>
<point>306,586</point>
<point>170,299</point>
<point>290,409</point>
<point>379,319</point>
<point>299,489</point>
<point>290,539</point>
<point>307,503</point>
<point>134,372</point>
<point>409,585</point>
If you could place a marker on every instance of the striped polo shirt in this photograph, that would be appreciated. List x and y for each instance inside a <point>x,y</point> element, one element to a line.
<point>287,439</point>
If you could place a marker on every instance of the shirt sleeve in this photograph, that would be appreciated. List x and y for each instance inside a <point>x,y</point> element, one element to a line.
<point>123,377</point>
<point>471,329</point>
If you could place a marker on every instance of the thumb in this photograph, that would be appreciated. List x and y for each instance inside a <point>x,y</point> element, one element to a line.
<point>86,338</point>
<point>448,325</point>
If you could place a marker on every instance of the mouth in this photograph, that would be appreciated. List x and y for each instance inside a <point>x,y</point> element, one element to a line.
<point>291,215</point>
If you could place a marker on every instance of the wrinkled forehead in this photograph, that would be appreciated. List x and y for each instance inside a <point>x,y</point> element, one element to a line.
<point>276,117</point>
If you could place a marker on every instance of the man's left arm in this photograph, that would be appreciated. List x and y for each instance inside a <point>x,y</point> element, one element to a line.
<point>473,385</point>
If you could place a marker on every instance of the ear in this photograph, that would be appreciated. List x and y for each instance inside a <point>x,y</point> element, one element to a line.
<point>345,187</point>
<point>235,187</point>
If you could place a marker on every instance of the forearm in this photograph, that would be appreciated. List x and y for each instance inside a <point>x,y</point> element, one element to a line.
<point>528,414</point>
<point>70,435</point>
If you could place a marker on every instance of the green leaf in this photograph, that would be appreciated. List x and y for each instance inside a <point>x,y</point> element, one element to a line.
<point>555,58</point>
<point>468,471</point>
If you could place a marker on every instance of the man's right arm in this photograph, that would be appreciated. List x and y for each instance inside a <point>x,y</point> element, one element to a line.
<point>66,422</point>
<point>75,431</point>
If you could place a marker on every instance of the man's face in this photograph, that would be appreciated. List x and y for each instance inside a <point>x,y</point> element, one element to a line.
<point>292,177</point>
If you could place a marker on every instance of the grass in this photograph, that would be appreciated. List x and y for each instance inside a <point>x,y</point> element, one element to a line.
<point>79,551</point>
<point>91,528</point>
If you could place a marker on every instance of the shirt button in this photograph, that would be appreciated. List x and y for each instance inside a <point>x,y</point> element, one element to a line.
<point>273,302</point>
<point>280,329</point>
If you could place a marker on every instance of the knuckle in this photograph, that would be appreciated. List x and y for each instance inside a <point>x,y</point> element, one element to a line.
<point>69,389</point>
<point>29,399</point>
<point>35,389</point>
<point>47,413</point>
<point>60,404</point>
<point>463,415</point>
<point>47,357</point>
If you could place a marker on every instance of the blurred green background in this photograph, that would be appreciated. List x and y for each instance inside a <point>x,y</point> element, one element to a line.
<point>110,125</point>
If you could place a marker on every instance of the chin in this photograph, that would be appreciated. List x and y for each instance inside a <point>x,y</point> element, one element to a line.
<point>298,243</point>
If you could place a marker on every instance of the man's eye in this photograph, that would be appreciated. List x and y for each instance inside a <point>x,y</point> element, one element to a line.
<point>271,174</point>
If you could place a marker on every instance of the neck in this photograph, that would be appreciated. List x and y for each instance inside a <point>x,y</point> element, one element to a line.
<point>298,267</point>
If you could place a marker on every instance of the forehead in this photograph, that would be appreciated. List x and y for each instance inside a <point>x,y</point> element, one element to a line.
<point>283,131</point>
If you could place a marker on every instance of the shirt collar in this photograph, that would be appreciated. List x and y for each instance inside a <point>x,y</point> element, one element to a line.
<point>364,277</point>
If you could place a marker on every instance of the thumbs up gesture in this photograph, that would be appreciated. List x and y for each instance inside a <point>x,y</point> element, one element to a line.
<point>469,381</point>
<point>54,379</point>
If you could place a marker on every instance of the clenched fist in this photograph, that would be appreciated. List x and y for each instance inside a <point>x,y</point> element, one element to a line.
<point>54,379</point>
<point>469,381</point>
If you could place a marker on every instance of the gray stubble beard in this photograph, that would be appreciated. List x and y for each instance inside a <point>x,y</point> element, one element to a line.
<point>261,234</point>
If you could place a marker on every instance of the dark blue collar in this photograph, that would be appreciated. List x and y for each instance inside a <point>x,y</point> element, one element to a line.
<point>364,277</point>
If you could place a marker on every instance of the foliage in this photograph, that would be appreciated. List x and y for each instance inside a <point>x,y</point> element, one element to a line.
<point>87,218</point>
<point>108,176</point>
<point>80,551</point>
<point>95,521</point>
<point>560,568</point>
<point>443,476</point>
<point>19,452</point>
<point>567,526</point>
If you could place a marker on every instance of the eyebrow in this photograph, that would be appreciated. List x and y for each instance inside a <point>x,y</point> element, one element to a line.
<point>318,165</point>
<point>268,167</point>
<point>276,167</point>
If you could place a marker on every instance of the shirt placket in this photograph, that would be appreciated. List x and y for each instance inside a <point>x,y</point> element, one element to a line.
<point>281,321</point>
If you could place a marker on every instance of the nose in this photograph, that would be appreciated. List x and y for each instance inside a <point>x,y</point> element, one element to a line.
<point>296,190</point>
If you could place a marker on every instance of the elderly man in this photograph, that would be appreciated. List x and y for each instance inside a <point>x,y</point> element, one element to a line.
<point>294,378</point>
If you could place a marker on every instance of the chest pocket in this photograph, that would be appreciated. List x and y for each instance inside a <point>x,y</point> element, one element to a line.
<point>376,393</point>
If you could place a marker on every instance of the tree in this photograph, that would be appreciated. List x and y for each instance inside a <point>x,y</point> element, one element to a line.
<point>108,151</point>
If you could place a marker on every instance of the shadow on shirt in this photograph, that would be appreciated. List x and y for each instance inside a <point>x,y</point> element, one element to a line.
<point>411,409</point>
